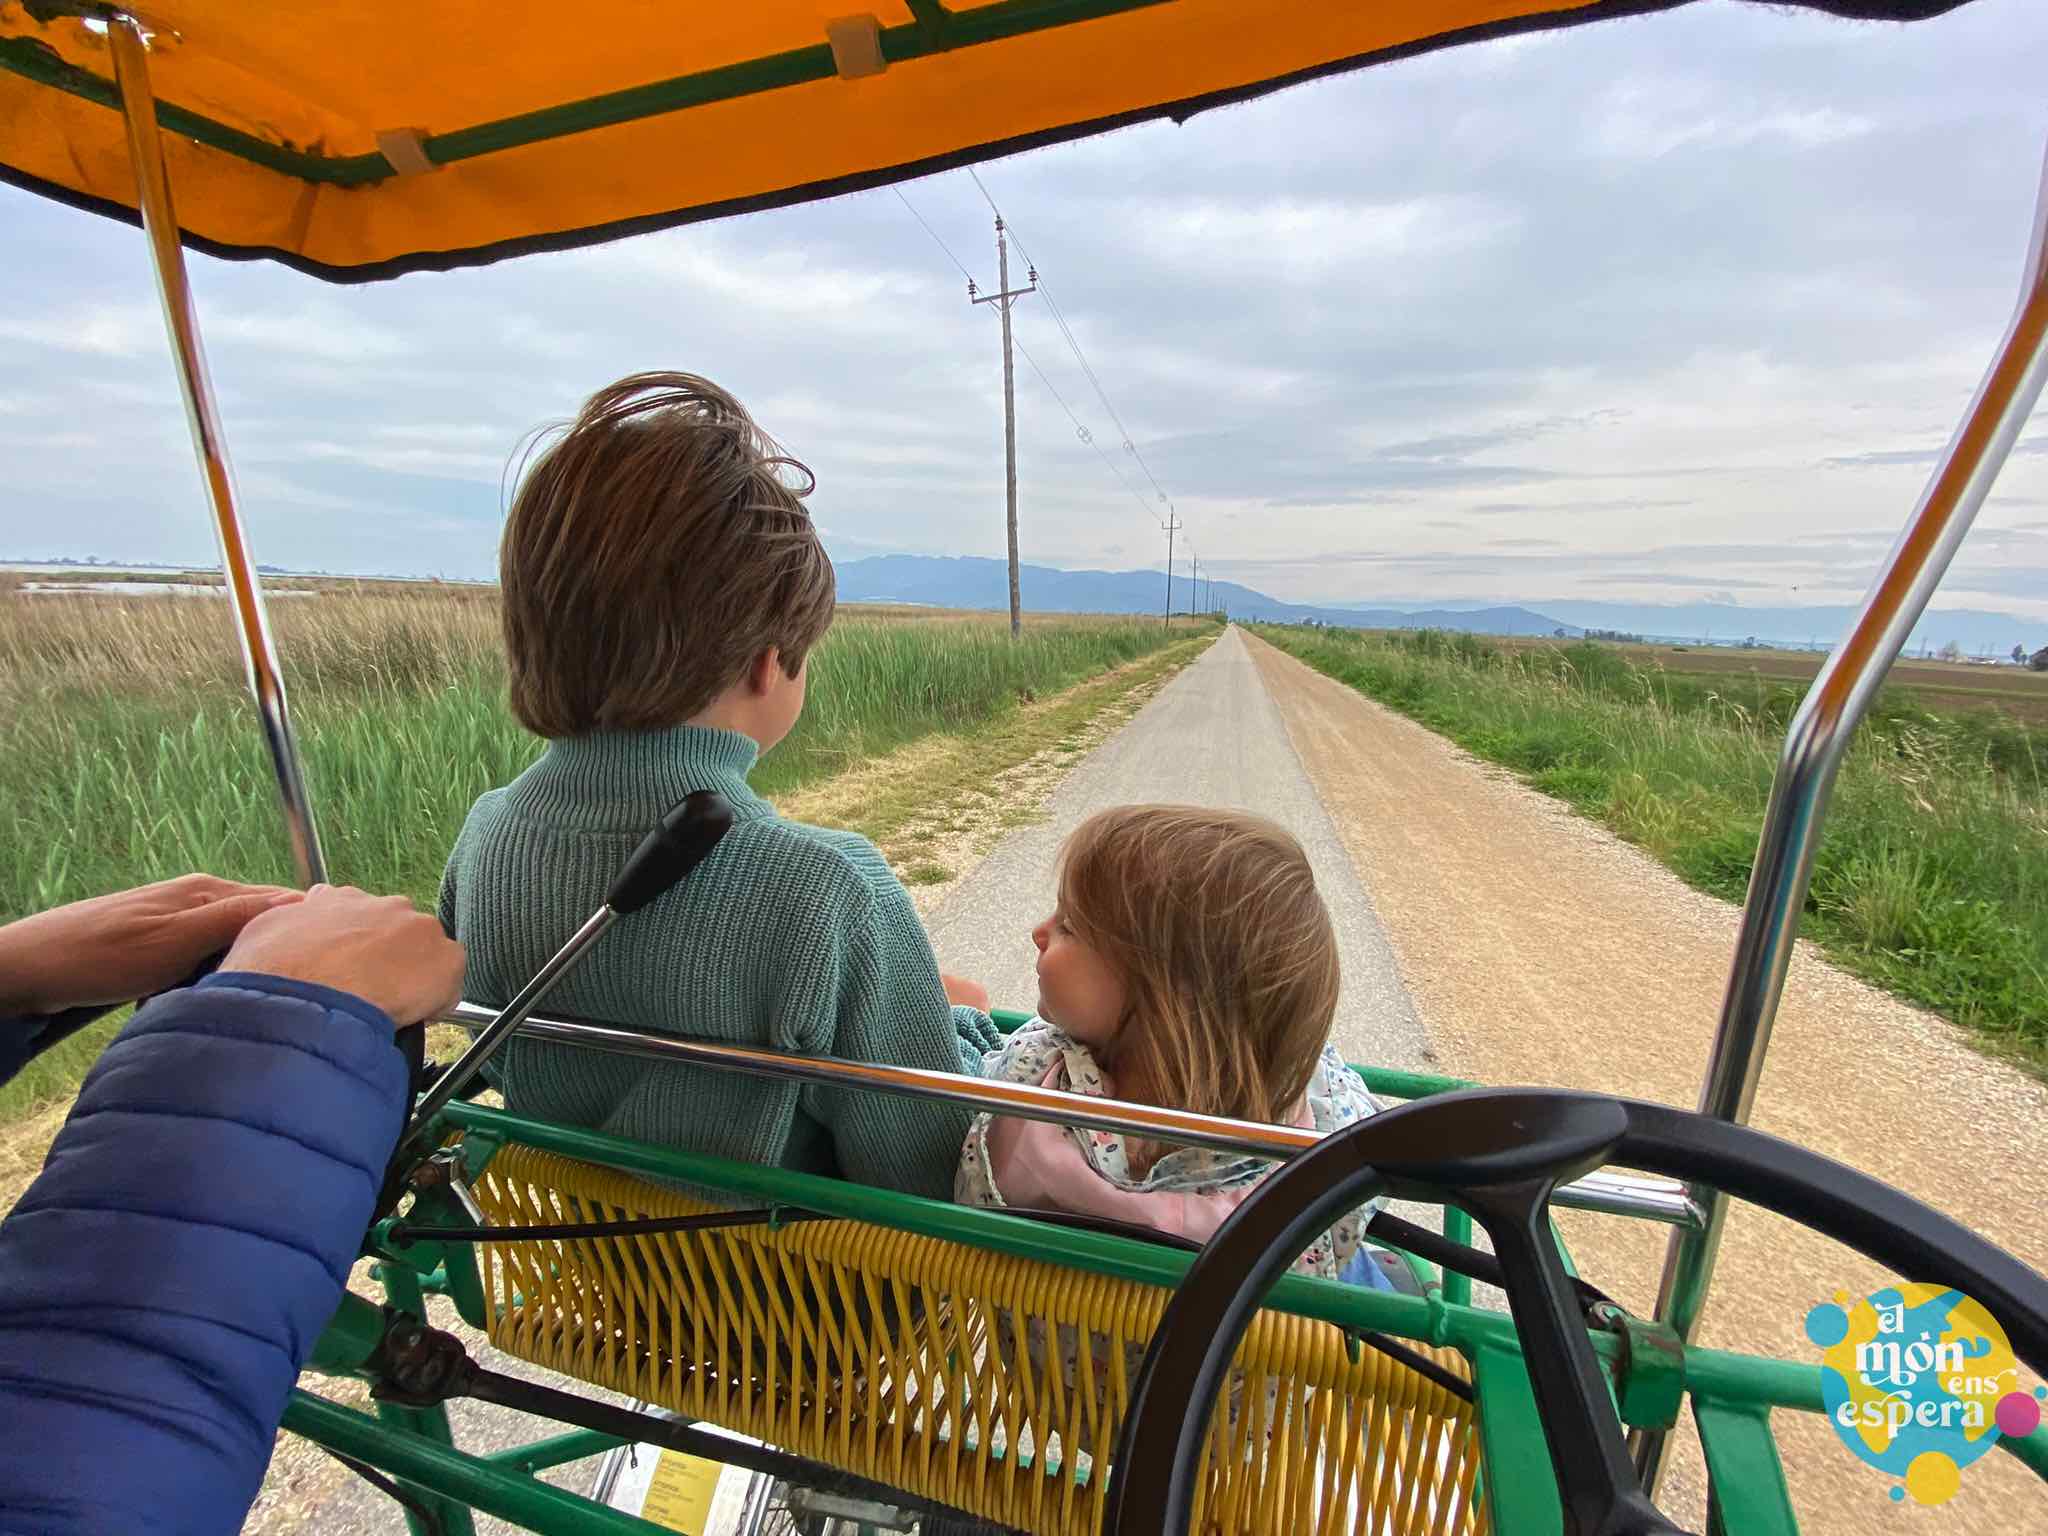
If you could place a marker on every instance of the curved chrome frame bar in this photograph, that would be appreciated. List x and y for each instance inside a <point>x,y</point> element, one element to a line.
<point>1814,747</point>
<point>1616,1194</point>
<point>1815,744</point>
<point>252,623</point>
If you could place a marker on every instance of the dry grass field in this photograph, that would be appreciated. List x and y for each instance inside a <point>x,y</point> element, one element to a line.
<point>1936,685</point>
<point>128,750</point>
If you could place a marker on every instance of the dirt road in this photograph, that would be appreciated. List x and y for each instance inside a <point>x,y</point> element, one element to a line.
<point>1539,949</point>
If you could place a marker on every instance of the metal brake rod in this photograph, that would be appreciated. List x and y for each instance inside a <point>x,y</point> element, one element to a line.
<point>1652,1199</point>
<point>181,319</point>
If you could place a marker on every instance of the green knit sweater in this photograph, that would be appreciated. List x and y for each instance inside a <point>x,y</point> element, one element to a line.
<point>786,936</point>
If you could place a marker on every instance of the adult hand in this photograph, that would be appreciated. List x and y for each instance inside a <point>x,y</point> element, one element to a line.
<point>114,949</point>
<point>380,948</point>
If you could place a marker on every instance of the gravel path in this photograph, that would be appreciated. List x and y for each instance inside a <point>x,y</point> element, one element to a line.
<point>1540,949</point>
<point>1210,737</point>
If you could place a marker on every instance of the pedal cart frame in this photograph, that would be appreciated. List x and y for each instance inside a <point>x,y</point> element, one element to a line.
<point>897,1353</point>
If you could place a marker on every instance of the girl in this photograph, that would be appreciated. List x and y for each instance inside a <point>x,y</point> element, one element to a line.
<point>1190,962</point>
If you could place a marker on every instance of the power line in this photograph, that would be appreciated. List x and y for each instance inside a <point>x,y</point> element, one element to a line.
<point>992,208</point>
<point>1082,431</point>
<point>1005,299</point>
<point>1060,319</point>
<point>935,234</point>
<point>1081,428</point>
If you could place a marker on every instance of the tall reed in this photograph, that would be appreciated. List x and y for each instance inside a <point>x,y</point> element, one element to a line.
<point>129,752</point>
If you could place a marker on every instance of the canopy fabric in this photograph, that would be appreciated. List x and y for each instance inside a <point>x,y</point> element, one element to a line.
<point>360,139</point>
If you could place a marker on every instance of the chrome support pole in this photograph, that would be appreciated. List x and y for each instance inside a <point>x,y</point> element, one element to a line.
<point>1648,1198</point>
<point>1814,747</point>
<point>252,625</point>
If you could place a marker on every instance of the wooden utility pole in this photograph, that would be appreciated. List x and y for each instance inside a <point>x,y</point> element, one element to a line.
<point>1172,526</point>
<point>1003,299</point>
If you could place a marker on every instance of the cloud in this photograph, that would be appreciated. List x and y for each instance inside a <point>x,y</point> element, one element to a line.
<point>1718,589</point>
<point>1344,326</point>
<point>1312,238</point>
<point>314,332</point>
<point>1577,505</point>
<point>2007,581</point>
<point>1883,458</point>
<point>97,330</point>
<point>1640,122</point>
<point>1454,447</point>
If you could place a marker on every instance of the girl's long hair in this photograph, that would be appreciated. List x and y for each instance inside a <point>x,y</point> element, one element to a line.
<point>1226,950</point>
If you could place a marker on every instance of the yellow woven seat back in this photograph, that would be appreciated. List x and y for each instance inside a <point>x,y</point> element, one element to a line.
<point>920,1363</point>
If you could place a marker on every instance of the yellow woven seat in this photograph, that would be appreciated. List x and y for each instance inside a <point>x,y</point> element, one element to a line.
<point>883,1353</point>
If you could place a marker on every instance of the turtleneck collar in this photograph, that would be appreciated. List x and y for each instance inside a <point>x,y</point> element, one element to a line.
<point>614,780</point>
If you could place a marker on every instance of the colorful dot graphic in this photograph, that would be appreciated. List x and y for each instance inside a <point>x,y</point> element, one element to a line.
<point>1933,1478</point>
<point>1827,1325</point>
<point>2018,1413</point>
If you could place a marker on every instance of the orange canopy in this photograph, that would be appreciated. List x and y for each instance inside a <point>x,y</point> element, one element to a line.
<point>358,139</point>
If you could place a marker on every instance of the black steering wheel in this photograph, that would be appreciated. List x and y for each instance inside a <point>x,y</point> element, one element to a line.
<point>1499,1153</point>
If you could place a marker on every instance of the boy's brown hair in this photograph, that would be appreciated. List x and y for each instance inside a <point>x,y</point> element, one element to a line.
<point>1228,958</point>
<point>653,551</point>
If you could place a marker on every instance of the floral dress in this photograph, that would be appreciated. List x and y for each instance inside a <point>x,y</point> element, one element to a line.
<point>1188,1192</point>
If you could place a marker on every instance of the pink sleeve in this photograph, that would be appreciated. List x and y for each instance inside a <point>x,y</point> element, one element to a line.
<point>1042,1167</point>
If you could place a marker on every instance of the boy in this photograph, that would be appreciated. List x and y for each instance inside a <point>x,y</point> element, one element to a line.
<point>662,588</point>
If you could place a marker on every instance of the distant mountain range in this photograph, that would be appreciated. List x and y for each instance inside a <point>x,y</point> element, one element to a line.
<point>969,581</point>
<point>975,582</point>
<point>1978,631</point>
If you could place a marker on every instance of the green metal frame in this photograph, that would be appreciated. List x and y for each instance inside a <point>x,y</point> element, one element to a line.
<point>1733,1395</point>
<point>426,1468</point>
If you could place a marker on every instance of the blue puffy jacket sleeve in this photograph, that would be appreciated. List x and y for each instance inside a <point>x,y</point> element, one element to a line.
<point>164,1279</point>
<point>23,1039</point>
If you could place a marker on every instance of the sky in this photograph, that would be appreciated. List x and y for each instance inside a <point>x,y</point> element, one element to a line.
<point>1670,309</point>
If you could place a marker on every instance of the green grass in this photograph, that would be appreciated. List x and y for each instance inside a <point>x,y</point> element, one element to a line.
<point>128,750</point>
<point>1932,875</point>
<point>878,684</point>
